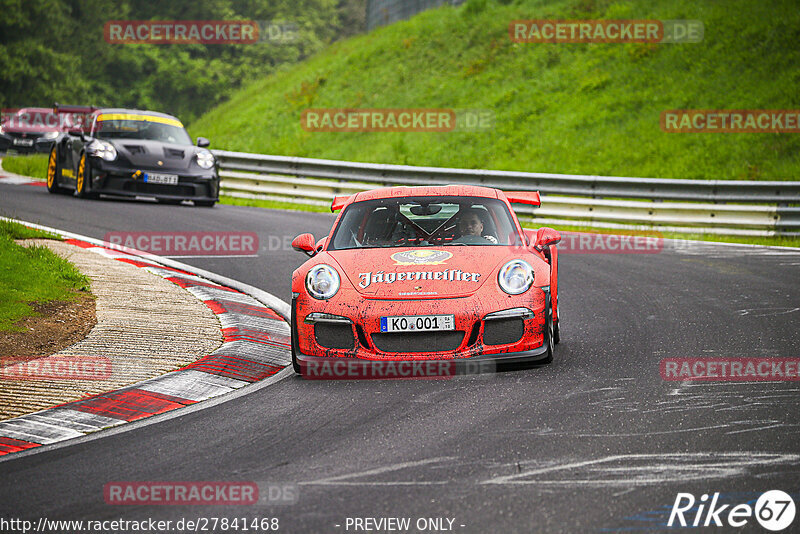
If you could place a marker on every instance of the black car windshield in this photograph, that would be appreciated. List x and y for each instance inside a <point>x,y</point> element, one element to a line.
<point>425,221</point>
<point>142,129</point>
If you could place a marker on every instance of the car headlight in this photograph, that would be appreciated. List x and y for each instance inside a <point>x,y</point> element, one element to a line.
<point>322,281</point>
<point>515,277</point>
<point>50,135</point>
<point>102,149</point>
<point>205,159</point>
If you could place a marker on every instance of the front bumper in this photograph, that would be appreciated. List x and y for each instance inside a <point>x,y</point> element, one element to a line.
<point>477,337</point>
<point>112,179</point>
<point>12,141</point>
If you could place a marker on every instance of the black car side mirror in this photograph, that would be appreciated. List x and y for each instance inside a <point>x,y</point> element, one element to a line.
<point>78,132</point>
<point>202,142</point>
<point>43,145</point>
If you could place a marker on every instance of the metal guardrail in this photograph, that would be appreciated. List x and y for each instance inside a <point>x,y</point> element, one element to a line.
<point>380,12</point>
<point>686,206</point>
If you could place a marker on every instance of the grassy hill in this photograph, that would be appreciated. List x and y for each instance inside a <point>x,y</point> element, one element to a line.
<point>566,108</point>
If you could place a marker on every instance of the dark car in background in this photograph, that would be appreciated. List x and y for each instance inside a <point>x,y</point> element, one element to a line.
<point>131,153</point>
<point>21,128</point>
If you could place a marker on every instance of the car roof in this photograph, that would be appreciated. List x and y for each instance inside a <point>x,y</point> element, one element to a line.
<point>427,191</point>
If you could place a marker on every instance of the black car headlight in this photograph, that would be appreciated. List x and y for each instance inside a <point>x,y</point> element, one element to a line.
<point>205,159</point>
<point>515,277</point>
<point>102,149</point>
<point>322,281</point>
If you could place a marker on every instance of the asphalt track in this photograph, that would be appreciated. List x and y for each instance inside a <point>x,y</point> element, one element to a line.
<point>597,441</point>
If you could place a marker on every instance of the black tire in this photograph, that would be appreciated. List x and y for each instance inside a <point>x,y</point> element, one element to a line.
<point>83,187</point>
<point>293,329</point>
<point>205,203</point>
<point>53,170</point>
<point>295,363</point>
<point>556,330</point>
<point>548,320</point>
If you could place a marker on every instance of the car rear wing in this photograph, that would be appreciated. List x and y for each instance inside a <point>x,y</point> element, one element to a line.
<point>59,108</point>
<point>524,197</point>
<point>340,202</point>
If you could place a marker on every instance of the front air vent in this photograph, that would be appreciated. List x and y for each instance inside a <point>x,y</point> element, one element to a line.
<point>503,331</point>
<point>334,336</point>
<point>135,149</point>
<point>173,153</point>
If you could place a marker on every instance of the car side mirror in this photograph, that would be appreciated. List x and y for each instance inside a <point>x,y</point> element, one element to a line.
<point>202,142</point>
<point>77,132</point>
<point>304,243</point>
<point>43,145</point>
<point>546,237</point>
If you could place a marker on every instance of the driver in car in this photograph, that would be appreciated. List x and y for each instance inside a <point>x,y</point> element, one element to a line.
<point>471,227</point>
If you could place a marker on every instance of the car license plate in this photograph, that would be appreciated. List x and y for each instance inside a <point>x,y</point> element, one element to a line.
<point>418,323</point>
<point>153,178</point>
<point>23,142</point>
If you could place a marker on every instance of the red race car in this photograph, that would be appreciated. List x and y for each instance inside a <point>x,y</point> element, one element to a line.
<point>425,274</point>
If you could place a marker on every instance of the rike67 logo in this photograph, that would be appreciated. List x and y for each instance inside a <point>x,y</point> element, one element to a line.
<point>774,510</point>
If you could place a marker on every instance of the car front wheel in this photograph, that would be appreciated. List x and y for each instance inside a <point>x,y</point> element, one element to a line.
<point>83,182</point>
<point>52,171</point>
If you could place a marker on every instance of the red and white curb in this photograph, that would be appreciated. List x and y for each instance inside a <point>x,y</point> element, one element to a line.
<point>9,178</point>
<point>21,180</point>
<point>256,345</point>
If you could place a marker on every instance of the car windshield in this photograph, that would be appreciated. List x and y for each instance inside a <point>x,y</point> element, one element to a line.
<point>425,221</point>
<point>142,129</point>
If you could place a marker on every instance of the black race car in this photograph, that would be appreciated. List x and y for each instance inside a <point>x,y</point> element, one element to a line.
<point>128,152</point>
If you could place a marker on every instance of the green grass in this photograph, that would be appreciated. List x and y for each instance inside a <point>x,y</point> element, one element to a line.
<point>34,165</point>
<point>562,108</point>
<point>32,274</point>
<point>15,230</point>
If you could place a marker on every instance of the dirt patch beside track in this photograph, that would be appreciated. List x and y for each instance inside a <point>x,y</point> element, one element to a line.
<point>56,326</point>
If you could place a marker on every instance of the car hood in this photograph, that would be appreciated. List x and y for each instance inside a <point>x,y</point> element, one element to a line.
<point>146,153</point>
<point>419,273</point>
